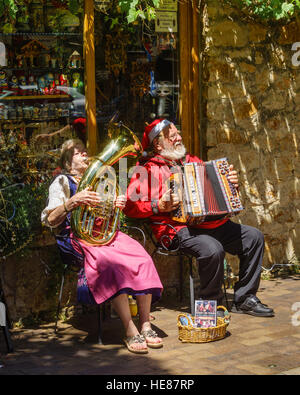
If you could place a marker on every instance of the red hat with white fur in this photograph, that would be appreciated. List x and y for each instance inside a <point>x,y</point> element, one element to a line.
<point>151,131</point>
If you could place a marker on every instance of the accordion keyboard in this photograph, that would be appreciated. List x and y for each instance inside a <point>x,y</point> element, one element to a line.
<point>205,192</point>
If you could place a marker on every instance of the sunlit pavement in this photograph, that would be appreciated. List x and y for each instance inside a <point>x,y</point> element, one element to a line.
<point>253,346</point>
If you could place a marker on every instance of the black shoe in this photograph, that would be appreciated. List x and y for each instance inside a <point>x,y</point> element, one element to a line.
<point>253,306</point>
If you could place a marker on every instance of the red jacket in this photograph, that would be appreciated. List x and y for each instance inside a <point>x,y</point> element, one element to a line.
<point>149,183</point>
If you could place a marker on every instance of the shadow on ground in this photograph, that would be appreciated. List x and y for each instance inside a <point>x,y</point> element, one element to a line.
<point>253,345</point>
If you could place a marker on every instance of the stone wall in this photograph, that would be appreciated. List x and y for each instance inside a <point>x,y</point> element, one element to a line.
<point>31,281</point>
<point>252,93</point>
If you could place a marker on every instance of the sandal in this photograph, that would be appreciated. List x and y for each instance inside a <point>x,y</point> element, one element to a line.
<point>129,340</point>
<point>152,334</point>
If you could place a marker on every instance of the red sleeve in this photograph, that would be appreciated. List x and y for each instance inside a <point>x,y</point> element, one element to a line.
<point>147,184</point>
<point>192,158</point>
<point>138,203</point>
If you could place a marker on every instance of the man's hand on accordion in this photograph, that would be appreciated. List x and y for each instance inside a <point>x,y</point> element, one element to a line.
<point>168,202</point>
<point>233,176</point>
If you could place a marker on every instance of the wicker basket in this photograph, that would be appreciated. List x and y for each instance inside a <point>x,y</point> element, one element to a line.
<point>189,334</point>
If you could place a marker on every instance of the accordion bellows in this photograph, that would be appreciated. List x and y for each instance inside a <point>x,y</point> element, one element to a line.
<point>205,192</point>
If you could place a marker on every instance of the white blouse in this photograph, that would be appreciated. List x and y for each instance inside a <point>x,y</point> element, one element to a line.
<point>59,192</point>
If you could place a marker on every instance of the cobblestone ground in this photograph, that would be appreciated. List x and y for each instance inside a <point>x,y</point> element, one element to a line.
<point>254,346</point>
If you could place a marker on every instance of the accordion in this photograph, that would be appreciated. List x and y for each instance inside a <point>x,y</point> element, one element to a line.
<point>205,193</point>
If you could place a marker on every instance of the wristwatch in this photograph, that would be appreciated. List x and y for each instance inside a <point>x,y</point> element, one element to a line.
<point>154,206</point>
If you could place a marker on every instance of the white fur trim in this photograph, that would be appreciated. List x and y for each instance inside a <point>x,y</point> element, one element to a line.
<point>157,129</point>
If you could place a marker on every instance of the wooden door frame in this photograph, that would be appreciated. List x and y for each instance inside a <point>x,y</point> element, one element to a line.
<point>189,103</point>
<point>90,78</point>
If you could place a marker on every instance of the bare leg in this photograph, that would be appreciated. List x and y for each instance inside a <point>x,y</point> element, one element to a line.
<point>144,305</point>
<point>121,306</point>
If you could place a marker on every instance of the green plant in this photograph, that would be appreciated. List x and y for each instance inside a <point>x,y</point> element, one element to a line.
<point>268,9</point>
<point>146,9</point>
<point>11,7</point>
<point>263,9</point>
<point>18,231</point>
<point>139,9</point>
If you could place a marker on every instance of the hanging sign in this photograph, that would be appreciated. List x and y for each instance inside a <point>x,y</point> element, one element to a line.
<point>168,5</point>
<point>166,21</point>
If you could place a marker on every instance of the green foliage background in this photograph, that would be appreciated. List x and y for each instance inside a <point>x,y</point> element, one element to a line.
<point>268,9</point>
<point>145,9</point>
<point>29,202</point>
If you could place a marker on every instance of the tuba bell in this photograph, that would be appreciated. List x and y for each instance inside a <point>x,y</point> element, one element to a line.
<point>98,225</point>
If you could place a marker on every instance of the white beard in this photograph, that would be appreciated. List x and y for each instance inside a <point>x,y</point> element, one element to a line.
<point>173,153</point>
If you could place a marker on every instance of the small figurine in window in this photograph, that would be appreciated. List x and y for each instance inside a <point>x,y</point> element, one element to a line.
<point>14,84</point>
<point>56,84</point>
<point>75,60</point>
<point>49,77</point>
<point>22,85</point>
<point>77,83</point>
<point>42,84</point>
<point>52,88</point>
<point>63,79</point>
<point>33,85</point>
<point>164,89</point>
<point>3,81</point>
<point>36,112</point>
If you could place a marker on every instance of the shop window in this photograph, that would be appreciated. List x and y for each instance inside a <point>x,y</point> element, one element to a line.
<point>137,73</point>
<point>41,87</point>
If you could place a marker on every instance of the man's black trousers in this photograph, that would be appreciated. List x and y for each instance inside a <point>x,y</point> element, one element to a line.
<point>209,247</point>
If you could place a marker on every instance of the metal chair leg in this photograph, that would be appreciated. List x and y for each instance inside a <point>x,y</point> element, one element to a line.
<point>60,297</point>
<point>192,291</point>
<point>99,324</point>
<point>180,278</point>
<point>225,294</point>
<point>224,282</point>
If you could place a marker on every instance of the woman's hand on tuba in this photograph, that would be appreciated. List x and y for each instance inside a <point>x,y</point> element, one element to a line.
<point>120,202</point>
<point>86,197</point>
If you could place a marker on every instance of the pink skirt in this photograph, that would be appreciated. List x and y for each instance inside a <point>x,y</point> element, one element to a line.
<point>122,266</point>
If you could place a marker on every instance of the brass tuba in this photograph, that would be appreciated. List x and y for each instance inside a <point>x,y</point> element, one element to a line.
<point>98,225</point>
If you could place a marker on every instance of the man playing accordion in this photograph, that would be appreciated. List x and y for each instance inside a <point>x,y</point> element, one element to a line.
<point>149,196</point>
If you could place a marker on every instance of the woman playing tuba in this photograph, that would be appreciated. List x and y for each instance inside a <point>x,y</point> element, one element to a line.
<point>115,269</point>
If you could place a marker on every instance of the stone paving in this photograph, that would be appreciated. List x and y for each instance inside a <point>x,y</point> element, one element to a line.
<point>254,346</point>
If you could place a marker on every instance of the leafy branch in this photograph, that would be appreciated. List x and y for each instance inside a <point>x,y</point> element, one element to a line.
<point>263,9</point>
<point>11,7</point>
<point>145,10</point>
<point>139,9</point>
<point>268,9</point>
